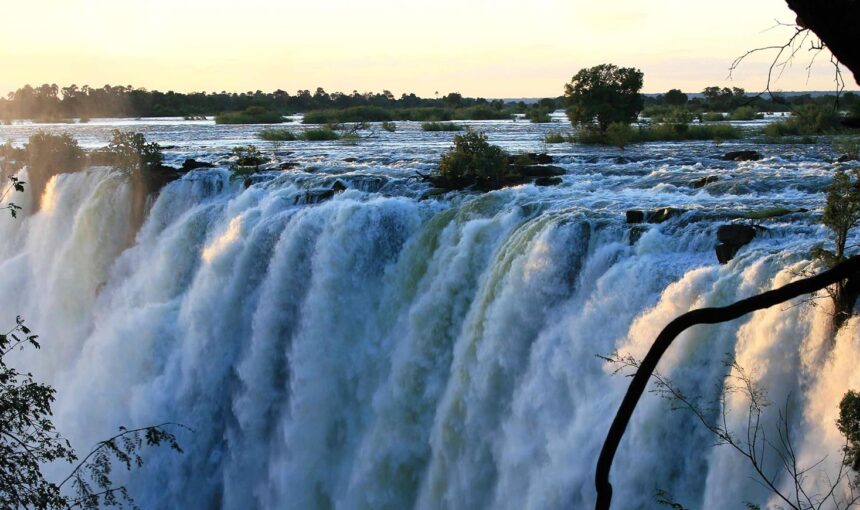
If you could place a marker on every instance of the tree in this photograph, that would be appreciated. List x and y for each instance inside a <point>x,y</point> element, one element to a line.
<point>474,160</point>
<point>604,94</point>
<point>675,98</point>
<point>132,152</point>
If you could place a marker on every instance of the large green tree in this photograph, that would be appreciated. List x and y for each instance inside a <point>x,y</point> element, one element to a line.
<point>604,94</point>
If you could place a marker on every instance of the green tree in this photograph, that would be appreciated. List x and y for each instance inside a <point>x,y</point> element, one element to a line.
<point>132,152</point>
<point>604,94</point>
<point>675,98</point>
<point>473,160</point>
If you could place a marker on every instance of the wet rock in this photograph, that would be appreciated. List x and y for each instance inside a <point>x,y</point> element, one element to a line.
<point>288,165</point>
<point>192,164</point>
<point>661,215</point>
<point>532,157</point>
<point>547,181</point>
<point>541,171</point>
<point>634,216</point>
<point>635,233</point>
<point>315,196</point>
<point>349,160</point>
<point>742,156</point>
<point>732,237</point>
<point>736,234</point>
<point>704,181</point>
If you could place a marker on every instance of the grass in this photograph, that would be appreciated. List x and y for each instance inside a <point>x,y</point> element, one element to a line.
<point>320,134</point>
<point>441,126</point>
<point>277,135</point>
<point>252,115</point>
<point>661,133</point>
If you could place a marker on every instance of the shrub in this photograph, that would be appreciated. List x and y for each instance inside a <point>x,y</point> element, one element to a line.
<point>251,115</point>
<point>539,115</point>
<point>712,117</point>
<point>659,133</point>
<point>130,151</point>
<point>556,137</point>
<point>441,126</point>
<point>320,134</point>
<point>352,114</point>
<point>389,126</point>
<point>745,113</point>
<point>277,135</point>
<point>809,119</point>
<point>847,147</point>
<point>619,134</point>
<point>473,160</point>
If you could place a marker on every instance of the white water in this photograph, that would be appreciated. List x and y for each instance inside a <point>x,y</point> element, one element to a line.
<point>377,351</point>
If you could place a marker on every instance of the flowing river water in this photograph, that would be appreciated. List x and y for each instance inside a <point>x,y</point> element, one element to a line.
<point>380,350</point>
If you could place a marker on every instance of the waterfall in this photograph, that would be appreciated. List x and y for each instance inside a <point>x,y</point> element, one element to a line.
<point>376,351</point>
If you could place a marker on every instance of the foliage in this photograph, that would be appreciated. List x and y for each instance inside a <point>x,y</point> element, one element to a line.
<point>441,126</point>
<point>320,134</point>
<point>130,151</point>
<point>620,134</point>
<point>842,210</point>
<point>473,160</point>
<point>28,440</point>
<point>250,115</point>
<point>849,425</point>
<point>807,120</point>
<point>745,113</point>
<point>538,115</point>
<point>556,137</point>
<point>17,185</point>
<point>847,147</point>
<point>675,98</point>
<point>661,133</point>
<point>712,117</point>
<point>770,453</point>
<point>277,135</point>
<point>604,94</point>
<point>389,126</point>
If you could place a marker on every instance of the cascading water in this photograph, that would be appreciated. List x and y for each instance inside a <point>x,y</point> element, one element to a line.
<point>379,351</point>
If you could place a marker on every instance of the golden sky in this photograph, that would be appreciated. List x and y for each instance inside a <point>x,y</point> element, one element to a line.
<point>490,48</point>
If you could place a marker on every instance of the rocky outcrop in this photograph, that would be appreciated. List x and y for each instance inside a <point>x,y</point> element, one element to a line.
<point>732,238</point>
<point>654,216</point>
<point>193,164</point>
<point>704,181</point>
<point>315,196</point>
<point>540,171</point>
<point>742,156</point>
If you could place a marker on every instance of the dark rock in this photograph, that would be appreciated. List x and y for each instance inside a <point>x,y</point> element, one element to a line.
<point>634,216</point>
<point>742,156</point>
<point>349,160</point>
<point>315,196</point>
<point>532,157</point>
<point>541,171</point>
<point>636,233</point>
<point>704,181</point>
<point>726,252</point>
<point>193,164</point>
<point>661,215</point>
<point>547,181</point>
<point>288,165</point>
<point>735,234</point>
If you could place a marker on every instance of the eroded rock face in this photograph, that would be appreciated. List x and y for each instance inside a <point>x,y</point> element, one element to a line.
<point>193,164</point>
<point>655,216</point>
<point>742,156</point>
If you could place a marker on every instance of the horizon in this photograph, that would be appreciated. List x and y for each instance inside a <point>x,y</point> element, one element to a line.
<point>503,52</point>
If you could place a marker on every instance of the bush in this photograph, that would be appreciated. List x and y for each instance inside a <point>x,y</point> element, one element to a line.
<point>539,115</point>
<point>473,160</point>
<point>320,134</point>
<point>673,114</point>
<point>481,112</point>
<point>847,147</point>
<point>712,117</point>
<point>277,135</point>
<point>130,151</point>
<point>658,133</point>
<point>809,119</point>
<point>556,137</point>
<point>441,126</point>
<point>389,126</point>
<point>251,115</point>
<point>352,114</point>
<point>745,113</point>
<point>619,134</point>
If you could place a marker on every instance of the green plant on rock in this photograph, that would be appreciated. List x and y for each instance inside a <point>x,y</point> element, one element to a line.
<point>130,151</point>
<point>473,160</point>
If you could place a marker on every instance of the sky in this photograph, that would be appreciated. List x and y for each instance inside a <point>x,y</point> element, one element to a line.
<point>486,48</point>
